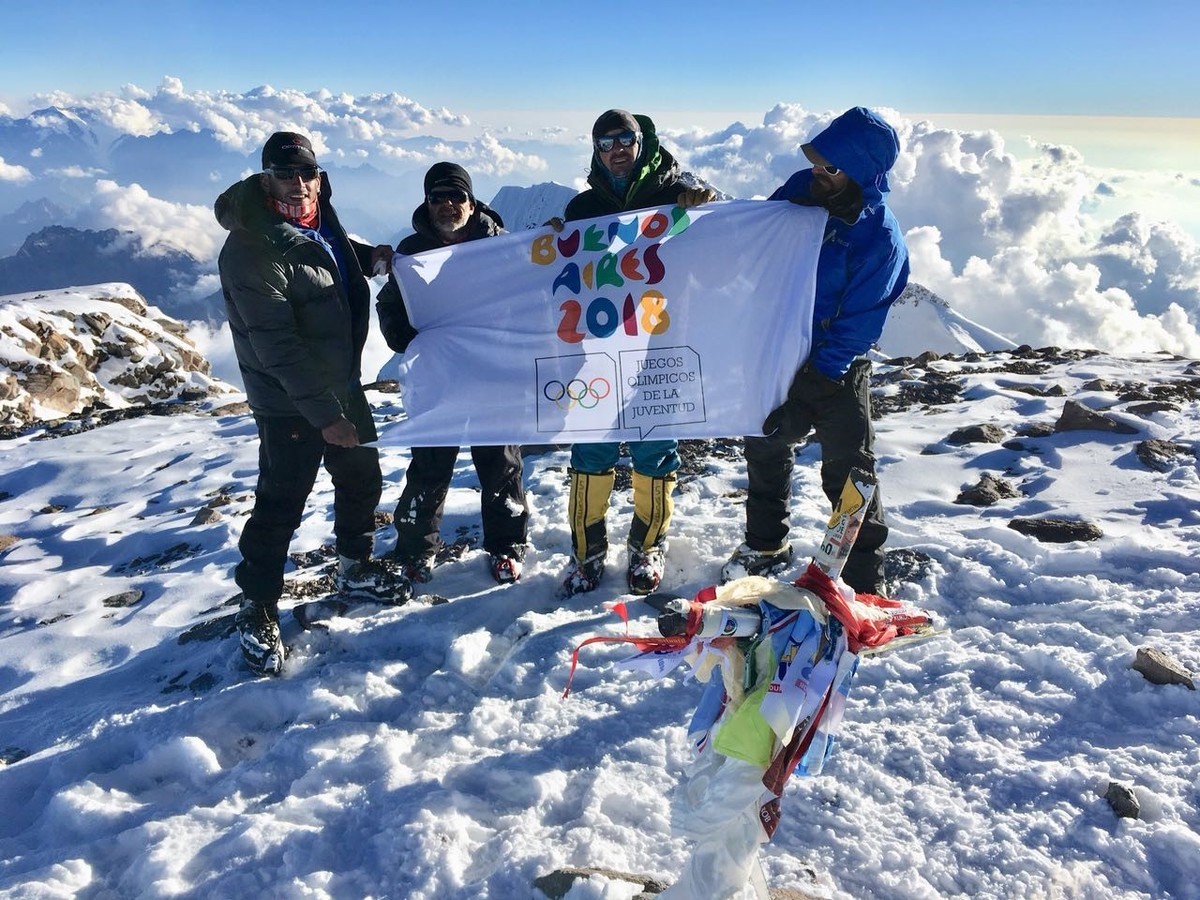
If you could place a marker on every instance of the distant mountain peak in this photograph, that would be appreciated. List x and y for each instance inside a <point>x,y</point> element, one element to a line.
<point>49,113</point>
<point>917,293</point>
<point>920,320</point>
<point>58,256</point>
<point>530,207</point>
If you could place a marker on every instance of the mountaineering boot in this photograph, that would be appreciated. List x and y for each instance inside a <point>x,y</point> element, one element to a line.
<point>653,506</point>
<point>646,568</point>
<point>371,579</point>
<point>586,508</point>
<point>417,568</point>
<point>748,561</point>
<point>583,576</point>
<point>258,634</point>
<point>506,566</point>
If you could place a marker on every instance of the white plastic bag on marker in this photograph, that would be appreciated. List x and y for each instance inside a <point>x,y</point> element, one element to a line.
<point>724,860</point>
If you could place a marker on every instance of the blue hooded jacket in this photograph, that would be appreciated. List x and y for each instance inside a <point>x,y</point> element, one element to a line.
<point>863,266</point>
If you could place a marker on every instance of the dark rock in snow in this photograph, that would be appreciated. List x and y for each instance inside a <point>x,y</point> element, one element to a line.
<point>976,434</point>
<point>906,564</point>
<point>1052,530</point>
<point>988,491</point>
<point>1159,668</point>
<point>558,883</point>
<point>1077,417</point>
<point>1162,456</point>
<point>1122,800</point>
<point>206,516</point>
<point>123,599</point>
<point>10,755</point>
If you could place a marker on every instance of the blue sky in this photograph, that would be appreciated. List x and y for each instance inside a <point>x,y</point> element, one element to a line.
<point>1056,57</point>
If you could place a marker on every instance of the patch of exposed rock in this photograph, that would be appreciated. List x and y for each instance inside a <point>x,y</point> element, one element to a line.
<point>1163,456</point>
<point>1159,667</point>
<point>1077,417</point>
<point>904,388</point>
<point>68,351</point>
<point>1056,530</point>
<point>560,883</point>
<point>976,434</point>
<point>906,564</point>
<point>1122,800</point>
<point>988,491</point>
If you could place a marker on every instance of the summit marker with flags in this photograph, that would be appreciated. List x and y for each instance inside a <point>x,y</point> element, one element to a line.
<point>786,656</point>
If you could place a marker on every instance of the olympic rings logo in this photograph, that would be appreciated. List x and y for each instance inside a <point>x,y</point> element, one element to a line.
<point>577,391</point>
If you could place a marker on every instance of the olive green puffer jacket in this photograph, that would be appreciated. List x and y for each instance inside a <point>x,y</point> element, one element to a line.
<point>298,330</point>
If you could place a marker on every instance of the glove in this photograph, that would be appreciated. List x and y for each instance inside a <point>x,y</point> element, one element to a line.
<point>381,260</point>
<point>775,419</point>
<point>792,419</point>
<point>694,197</point>
<point>556,223</point>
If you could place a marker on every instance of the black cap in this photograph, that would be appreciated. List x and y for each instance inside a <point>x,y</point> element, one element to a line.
<point>448,174</point>
<point>286,148</point>
<point>612,119</point>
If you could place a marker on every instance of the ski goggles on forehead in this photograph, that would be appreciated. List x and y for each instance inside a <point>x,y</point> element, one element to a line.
<point>625,139</point>
<point>287,173</point>
<point>453,195</point>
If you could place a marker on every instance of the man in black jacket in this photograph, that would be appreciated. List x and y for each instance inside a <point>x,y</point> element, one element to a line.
<point>299,306</point>
<point>451,215</point>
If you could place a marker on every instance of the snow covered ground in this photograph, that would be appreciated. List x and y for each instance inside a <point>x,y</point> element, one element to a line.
<point>426,752</point>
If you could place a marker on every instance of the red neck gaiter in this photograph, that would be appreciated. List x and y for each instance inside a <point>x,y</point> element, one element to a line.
<point>306,214</point>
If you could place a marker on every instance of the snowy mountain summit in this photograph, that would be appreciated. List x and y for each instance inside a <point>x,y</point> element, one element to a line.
<point>100,347</point>
<point>921,321</point>
<point>531,207</point>
<point>1045,504</point>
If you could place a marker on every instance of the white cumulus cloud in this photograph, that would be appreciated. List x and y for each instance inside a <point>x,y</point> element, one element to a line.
<point>158,222</point>
<point>1028,239</point>
<point>1016,242</point>
<point>14,173</point>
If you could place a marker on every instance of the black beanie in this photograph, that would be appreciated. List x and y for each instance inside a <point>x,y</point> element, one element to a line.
<point>614,118</point>
<point>286,148</point>
<point>448,174</point>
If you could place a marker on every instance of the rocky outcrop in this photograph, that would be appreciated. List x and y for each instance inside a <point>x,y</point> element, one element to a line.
<point>1163,456</point>
<point>1158,667</point>
<point>1056,530</point>
<point>988,491</point>
<point>561,882</point>
<point>102,347</point>
<point>1077,417</point>
<point>976,434</point>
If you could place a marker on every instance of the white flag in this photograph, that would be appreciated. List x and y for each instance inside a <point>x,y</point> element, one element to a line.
<point>659,323</point>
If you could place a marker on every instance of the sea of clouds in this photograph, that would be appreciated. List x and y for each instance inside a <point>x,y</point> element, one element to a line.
<point>1016,241</point>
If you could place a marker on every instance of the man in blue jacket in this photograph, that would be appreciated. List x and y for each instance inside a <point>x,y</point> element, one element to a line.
<point>862,269</point>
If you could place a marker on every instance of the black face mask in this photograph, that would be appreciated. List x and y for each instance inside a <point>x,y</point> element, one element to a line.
<point>846,204</point>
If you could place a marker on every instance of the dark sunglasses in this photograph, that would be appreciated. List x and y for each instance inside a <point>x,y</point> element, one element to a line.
<point>828,170</point>
<point>626,138</point>
<point>452,196</point>
<point>288,173</point>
